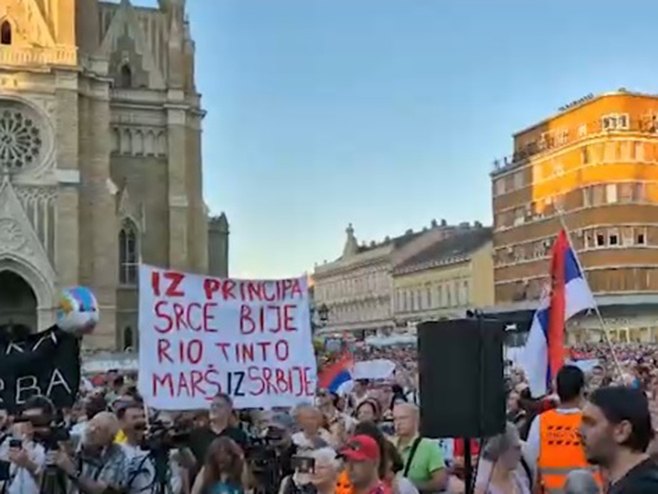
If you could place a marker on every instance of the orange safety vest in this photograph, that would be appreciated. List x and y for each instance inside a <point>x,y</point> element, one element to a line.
<point>560,450</point>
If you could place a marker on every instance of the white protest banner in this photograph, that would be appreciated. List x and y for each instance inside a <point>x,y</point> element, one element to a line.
<point>199,336</point>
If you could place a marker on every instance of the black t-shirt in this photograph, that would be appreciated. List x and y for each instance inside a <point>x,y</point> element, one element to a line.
<point>641,479</point>
<point>200,439</point>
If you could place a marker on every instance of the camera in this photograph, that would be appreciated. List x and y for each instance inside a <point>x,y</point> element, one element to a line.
<point>303,464</point>
<point>261,455</point>
<point>46,432</point>
<point>264,459</point>
<point>159,437</point>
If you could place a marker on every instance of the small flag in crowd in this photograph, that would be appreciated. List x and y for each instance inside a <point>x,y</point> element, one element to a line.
<point>336,374</point>
<point>543,354</point>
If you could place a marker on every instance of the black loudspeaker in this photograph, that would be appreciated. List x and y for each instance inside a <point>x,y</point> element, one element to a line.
<point>461,368</point>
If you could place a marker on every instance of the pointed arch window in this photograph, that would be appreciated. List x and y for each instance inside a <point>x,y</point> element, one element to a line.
<point>5,33</point>
<point>128,253</point>
<point>128,342</point>
<point>126,76</point>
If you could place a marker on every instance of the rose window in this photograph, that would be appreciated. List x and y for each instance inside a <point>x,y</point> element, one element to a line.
<point>20,141</point>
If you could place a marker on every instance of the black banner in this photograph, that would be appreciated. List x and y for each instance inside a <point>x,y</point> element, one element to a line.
<point>46,363</point>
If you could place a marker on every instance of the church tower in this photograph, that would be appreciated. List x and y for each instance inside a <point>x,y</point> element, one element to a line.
<point>100,156</point>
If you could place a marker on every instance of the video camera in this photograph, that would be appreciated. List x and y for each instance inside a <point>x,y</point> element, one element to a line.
<point>262,451</point>
<point>160,437</point>
<point>264,459</point>
<point>47,432</point>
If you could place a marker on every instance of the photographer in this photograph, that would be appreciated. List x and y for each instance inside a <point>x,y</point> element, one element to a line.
<point>25,456</point>
<point>99,464</point>
<point>279,434</point>
<point>144,449</point>
<point>317,473</point>
<point>269,455</point>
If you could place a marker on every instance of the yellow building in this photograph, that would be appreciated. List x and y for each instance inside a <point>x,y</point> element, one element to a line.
<point>592,167</point>
<point>445,279</point>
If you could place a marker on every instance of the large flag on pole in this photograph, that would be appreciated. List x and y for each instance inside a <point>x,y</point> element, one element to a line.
<point>543,355</point>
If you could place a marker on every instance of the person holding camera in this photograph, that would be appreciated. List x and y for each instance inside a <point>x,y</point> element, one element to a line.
<point>142,451</point>
<point>22,456</point>
<point>315,473</point>
<point>99,464</point>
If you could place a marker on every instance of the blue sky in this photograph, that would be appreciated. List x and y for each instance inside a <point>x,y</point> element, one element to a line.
<point>387,113</point>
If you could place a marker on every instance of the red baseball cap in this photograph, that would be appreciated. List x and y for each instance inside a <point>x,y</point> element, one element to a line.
<point>361,448</point>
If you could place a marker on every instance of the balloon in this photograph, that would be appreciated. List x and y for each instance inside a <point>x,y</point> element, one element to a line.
<point>77,310</point>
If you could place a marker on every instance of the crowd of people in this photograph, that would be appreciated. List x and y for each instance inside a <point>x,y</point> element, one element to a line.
<point>364,441</point>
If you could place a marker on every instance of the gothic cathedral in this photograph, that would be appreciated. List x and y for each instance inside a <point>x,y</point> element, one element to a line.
<point>100,159</point>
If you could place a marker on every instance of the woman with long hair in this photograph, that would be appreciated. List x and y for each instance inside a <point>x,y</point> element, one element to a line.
<point>222,472</point>
<point>368,411</point>
<point>499,471</point>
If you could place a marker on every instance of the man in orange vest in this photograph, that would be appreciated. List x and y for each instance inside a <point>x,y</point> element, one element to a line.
<point>554,441</point>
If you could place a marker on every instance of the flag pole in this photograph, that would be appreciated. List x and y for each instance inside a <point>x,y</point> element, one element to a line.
<point>604,326</point>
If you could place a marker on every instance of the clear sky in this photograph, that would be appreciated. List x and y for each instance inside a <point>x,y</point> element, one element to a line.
<point>387,113</point>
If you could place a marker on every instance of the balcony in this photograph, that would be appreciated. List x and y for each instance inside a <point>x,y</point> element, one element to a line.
<point>549,141</point>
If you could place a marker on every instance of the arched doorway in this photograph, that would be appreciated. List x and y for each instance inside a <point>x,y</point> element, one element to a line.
<point>18,304</point>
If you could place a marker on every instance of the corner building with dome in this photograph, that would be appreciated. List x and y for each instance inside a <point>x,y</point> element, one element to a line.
<point>100,159</point>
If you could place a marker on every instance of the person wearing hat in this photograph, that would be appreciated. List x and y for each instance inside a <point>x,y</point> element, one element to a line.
<point>361,454</point>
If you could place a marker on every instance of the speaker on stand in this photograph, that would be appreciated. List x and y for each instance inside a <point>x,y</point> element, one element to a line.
<point>461,372</point>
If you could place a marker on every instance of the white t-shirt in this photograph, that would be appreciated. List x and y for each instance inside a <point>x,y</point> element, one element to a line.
<point>21,480</point>
<point>142,471</point>
<point>405,486</point>
<point>303,443</point>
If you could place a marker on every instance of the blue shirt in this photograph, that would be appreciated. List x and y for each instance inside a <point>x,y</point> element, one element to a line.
<point>224,488</point>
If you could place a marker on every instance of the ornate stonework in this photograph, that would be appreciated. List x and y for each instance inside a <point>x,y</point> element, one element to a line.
<point>21,249</point>
<point>20,141</point>
<point>86,146</point>
<point>12,238</point>
<point>28,24</point>
<point>33,38</point>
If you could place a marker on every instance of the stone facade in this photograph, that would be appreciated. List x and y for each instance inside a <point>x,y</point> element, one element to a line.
<point>357,288</point>
<point>100,154</point>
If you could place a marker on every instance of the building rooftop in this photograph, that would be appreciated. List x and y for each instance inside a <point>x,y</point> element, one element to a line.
<point>553,139</point>
<point>448,250</point>
<point>396,242</point>
<point>581,102</point>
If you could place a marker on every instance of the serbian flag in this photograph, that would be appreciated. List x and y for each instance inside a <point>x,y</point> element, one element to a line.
<point>336,374</point>
<point>543,355</point>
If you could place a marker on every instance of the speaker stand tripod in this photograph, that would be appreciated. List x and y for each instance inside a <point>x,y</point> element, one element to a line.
<point>469,481</point>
